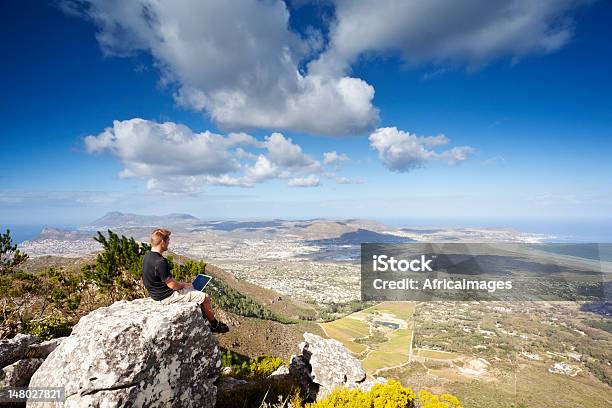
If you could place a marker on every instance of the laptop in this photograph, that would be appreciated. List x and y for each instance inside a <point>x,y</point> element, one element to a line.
<point>200,281</point>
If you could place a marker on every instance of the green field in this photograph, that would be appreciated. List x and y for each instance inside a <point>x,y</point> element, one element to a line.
<point>402,310</point>
<point>346,330</point>
<point>394,351</point>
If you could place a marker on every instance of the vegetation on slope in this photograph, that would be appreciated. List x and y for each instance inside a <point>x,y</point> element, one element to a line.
<point>49,303</point>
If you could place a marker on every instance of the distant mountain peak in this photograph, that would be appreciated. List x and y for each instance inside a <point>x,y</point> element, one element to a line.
<point>119,219</point>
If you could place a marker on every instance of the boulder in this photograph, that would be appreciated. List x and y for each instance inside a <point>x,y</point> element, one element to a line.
<point>14,349</point>
<point>19,373</point>
<point>42,350</point>
<point>281,372</point>
<point>325,364</point>
<point>138,353</point>
<point>228,384</point>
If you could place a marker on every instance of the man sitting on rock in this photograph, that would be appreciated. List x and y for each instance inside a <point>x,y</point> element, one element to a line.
<point>162,287</point>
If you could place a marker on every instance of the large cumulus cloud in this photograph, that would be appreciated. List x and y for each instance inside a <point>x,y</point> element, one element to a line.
<point>237,61</point>
<point>173,158</point>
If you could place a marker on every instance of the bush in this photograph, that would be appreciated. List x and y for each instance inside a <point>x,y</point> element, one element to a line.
<point>49,327</point>
<point>260,389</point>
<point>429,400</point>
<point>240,364</point>
<point>64,288</point>
<point>389,395</point>
<point>118,268</point>
<point>10,257</point>
<point>262,392</point>
<point>244,367</point>
<point>264,366</point>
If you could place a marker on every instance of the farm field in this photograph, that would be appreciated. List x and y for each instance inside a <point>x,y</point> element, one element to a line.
<point>381,335</point>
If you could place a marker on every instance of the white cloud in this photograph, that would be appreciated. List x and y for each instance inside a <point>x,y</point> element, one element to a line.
<point>456,154</point>
<point>237,61</point>
<point>471,32</point>
<point>228,181</point>
<point>309,181</point>
<point>262,170</point>
<point>334,157</point>
<point>402,151</point>
<point>343,180</point>
<point>174,159</point>
<point>283,152</point>
<point>241,63</point>
<point>150,149</point>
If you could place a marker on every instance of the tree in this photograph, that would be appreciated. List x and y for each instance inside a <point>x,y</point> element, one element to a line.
<point>10,256</point>
<point>118,268</point>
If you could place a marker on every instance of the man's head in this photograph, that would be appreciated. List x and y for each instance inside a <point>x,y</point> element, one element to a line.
<point>160,239</point>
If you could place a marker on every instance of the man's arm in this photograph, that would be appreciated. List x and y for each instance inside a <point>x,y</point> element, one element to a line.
<point>176,285</point>
<point>166,276</point>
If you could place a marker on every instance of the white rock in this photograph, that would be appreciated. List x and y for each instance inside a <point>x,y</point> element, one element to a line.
<point>138,353</point>
<point>14,349</point>
<point>19,373</point>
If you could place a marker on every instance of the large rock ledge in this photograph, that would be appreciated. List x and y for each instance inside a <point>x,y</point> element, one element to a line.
<point>325,364</point>
<point>137,353</point>
<point>20,357</point>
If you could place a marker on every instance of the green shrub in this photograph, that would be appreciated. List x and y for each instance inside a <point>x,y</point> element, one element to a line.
<point>244,367</point>
<point>264,366</point>
<point>10,257</point>
<point>118,268</point>
<point>261,391</point>
<point>240,364</point>
<point>49,327</point>
<point>64,288</point>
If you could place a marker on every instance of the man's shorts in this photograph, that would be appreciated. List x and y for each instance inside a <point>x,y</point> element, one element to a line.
<point>185,295</point>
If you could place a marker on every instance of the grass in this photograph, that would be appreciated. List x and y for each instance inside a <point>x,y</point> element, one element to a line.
<point>401,310</point>
<point>392,353</point>
<point>346,330</point>
<point>395,351</point>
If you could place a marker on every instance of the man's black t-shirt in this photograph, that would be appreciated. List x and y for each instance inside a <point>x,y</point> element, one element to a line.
<point>155,273</point>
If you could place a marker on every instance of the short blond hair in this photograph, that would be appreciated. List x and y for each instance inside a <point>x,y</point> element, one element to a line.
<point>159,235</point>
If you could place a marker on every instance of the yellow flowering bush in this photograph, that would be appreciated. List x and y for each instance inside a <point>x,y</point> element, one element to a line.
<point>429,400</point>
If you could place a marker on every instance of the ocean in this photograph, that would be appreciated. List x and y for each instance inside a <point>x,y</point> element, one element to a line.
<point>25,232</point>
<point>579,231</point>
<point>559,230</point>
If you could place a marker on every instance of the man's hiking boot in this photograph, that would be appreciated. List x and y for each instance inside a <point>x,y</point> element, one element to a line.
<point>218,327</point>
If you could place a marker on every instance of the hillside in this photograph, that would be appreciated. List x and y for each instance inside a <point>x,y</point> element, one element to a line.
<point>117,219</point>
<point>249,336</point>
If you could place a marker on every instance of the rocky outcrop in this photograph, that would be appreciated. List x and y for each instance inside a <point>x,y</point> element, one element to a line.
<point>14,349</point>
<point>42,350</point>
<point>281,372</point>
<point>20,357</point>
<point>138,353</point>
<point>19,373</point>
<point>325,364</point>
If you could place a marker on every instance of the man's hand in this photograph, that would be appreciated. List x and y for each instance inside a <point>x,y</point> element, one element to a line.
<point>175,285</point>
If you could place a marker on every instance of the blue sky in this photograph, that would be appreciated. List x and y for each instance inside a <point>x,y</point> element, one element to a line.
<point>525,114</point>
